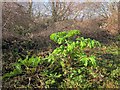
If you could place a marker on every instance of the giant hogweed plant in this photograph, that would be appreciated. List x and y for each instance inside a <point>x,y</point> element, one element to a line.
<point>27,65</point>
<point>70,60</point>
<point>73,52</point>
<point>78,49</point>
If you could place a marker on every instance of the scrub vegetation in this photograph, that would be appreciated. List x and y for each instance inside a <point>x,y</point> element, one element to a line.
<point>60,49</point>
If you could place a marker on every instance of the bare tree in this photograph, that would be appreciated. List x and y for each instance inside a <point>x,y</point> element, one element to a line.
<point>59,10</point>
<point>30,7</point>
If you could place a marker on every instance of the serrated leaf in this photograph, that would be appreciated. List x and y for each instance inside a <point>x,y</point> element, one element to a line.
<point>85,60</point>
<point>93,61</point>
<point>62,64</point>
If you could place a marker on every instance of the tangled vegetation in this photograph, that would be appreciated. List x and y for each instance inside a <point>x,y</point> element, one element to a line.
<point>77,62</point>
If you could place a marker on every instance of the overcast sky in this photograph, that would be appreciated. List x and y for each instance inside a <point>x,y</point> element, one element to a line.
<point>71,0</point>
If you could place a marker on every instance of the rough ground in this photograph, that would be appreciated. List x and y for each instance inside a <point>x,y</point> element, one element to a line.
<point>17,46</point>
